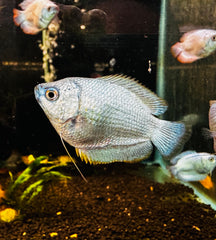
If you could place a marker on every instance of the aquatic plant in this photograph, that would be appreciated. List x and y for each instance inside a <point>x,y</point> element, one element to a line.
<point>38,173</point>
<point>30,183</point>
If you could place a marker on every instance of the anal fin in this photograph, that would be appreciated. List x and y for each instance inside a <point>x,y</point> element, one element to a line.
<point>131,153</point>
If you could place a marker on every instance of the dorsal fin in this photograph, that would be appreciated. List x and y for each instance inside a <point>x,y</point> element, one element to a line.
<point>26,3</point>
<point>156,104</point>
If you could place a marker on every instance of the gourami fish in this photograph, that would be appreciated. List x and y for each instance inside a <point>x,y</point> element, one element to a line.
<point>195,45</point>
<point>211,132</point>
<point>36,15</point>
<point>109,118</point>
<point>192,166</point>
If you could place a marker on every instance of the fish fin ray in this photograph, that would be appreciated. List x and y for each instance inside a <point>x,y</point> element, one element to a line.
<point>176,49</point>
<point>18,16</point>
<point>84,157</point>
<point>170,137</point>
<point>156,105</point>
<point>20,20</point>
<point>208,134</point>
<point>110,154</point>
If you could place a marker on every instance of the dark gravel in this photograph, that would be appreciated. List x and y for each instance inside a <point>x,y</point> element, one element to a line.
<point>114,204</point>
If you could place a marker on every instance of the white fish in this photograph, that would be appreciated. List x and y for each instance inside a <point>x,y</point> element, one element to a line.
<point>109,118</point>
<point>192,166</point>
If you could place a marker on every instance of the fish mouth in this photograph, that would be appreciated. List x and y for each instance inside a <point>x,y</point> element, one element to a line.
<point>38,92</point>
<point>53,9</point>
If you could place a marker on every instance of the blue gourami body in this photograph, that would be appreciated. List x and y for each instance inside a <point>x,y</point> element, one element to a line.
<point>192,166</point>
<point>110,118</point>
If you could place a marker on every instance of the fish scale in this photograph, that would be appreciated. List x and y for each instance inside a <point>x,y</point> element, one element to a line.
<point>117,113</point>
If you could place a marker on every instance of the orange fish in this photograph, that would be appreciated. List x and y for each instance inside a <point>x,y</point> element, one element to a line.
<point>36,15</point>
<point>195,45</point>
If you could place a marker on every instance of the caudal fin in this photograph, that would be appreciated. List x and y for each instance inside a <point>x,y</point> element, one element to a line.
<point>170,137</point>
<point>181,55</point>
<point>26,26</point>
<point>18,16</point>
<point>176,49</point>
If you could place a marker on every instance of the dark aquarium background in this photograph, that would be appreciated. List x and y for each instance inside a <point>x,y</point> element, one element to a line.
<point>46,194</point>
<point>126,42</point>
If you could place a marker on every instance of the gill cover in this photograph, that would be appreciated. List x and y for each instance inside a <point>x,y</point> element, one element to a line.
<point>59,100</point>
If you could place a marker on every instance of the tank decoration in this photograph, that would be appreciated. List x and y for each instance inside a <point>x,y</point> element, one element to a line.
<point>47,170</point>
<point>8,214</point>
<point>47,46</point>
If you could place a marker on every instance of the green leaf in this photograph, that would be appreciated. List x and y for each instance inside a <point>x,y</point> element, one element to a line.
<point>35,187</point>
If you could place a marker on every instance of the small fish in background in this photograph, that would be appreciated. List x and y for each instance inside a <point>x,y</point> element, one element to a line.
<point>111,118</point>
<point>192,166</point>
<point>211,132</point>
<point>195,45</point>
<point>36,15</point>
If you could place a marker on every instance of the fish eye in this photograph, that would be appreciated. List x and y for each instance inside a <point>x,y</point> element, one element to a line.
<point>52,94</point>
<point>212,159</point>
<point>214,38</point>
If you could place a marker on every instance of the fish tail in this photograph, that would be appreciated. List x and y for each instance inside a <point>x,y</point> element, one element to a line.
<point>176,49</point>
<point>208,134</point>
<point>18,16</point>
<point>170,137</point>
<point>173,170</point>
<point>181,55</point>
<point>20,20</point>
